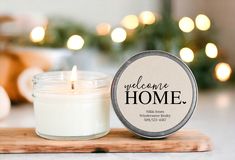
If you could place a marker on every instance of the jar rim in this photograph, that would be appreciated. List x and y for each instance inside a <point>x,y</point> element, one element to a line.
<point>41,76</point>
<point>86,79</point>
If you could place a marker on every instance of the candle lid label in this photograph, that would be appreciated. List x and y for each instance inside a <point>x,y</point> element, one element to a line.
<point>154,94</point>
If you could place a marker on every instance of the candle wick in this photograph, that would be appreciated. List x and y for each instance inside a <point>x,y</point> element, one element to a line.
<point>72,85</point>
<point>73,77</point>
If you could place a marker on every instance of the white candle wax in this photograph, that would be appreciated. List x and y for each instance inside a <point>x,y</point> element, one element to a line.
<point>72,114</point>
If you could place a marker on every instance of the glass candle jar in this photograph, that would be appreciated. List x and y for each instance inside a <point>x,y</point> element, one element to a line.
<point>71,110</point>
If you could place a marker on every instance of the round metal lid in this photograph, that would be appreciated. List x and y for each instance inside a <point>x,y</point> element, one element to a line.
<point>154,94</point>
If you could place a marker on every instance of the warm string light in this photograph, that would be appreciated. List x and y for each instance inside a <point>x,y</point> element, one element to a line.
<point>118,35</point>
<point>211,50</point>
<point>186,54</point>
<point>130,22</point>
<point>37,34</point>
<point>103,29</point>
<point>203,23</point>
<point>223,71</point>
<point>186,24</point>
<point>147,17</point>
<point>75,42</point>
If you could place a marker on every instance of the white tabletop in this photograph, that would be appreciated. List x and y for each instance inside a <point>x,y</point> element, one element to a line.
<point>214,116</point>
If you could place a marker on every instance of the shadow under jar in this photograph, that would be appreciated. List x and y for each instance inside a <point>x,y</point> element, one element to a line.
<point>66,110</point>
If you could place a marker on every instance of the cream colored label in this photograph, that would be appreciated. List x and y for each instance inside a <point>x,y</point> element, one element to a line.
<point>154,93</point>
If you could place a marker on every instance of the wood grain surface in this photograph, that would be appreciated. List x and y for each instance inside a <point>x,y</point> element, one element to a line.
<point>25,140</point>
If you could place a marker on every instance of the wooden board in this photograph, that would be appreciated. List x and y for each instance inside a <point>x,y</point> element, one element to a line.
<point>24,140</point>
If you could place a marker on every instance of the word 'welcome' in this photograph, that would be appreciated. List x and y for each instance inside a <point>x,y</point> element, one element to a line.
<point>146,93</point>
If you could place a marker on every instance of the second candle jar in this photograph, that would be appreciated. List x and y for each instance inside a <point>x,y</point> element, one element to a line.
<point>73,110</point>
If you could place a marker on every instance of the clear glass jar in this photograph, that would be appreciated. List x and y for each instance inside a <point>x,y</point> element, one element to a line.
<point>66,110</point>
